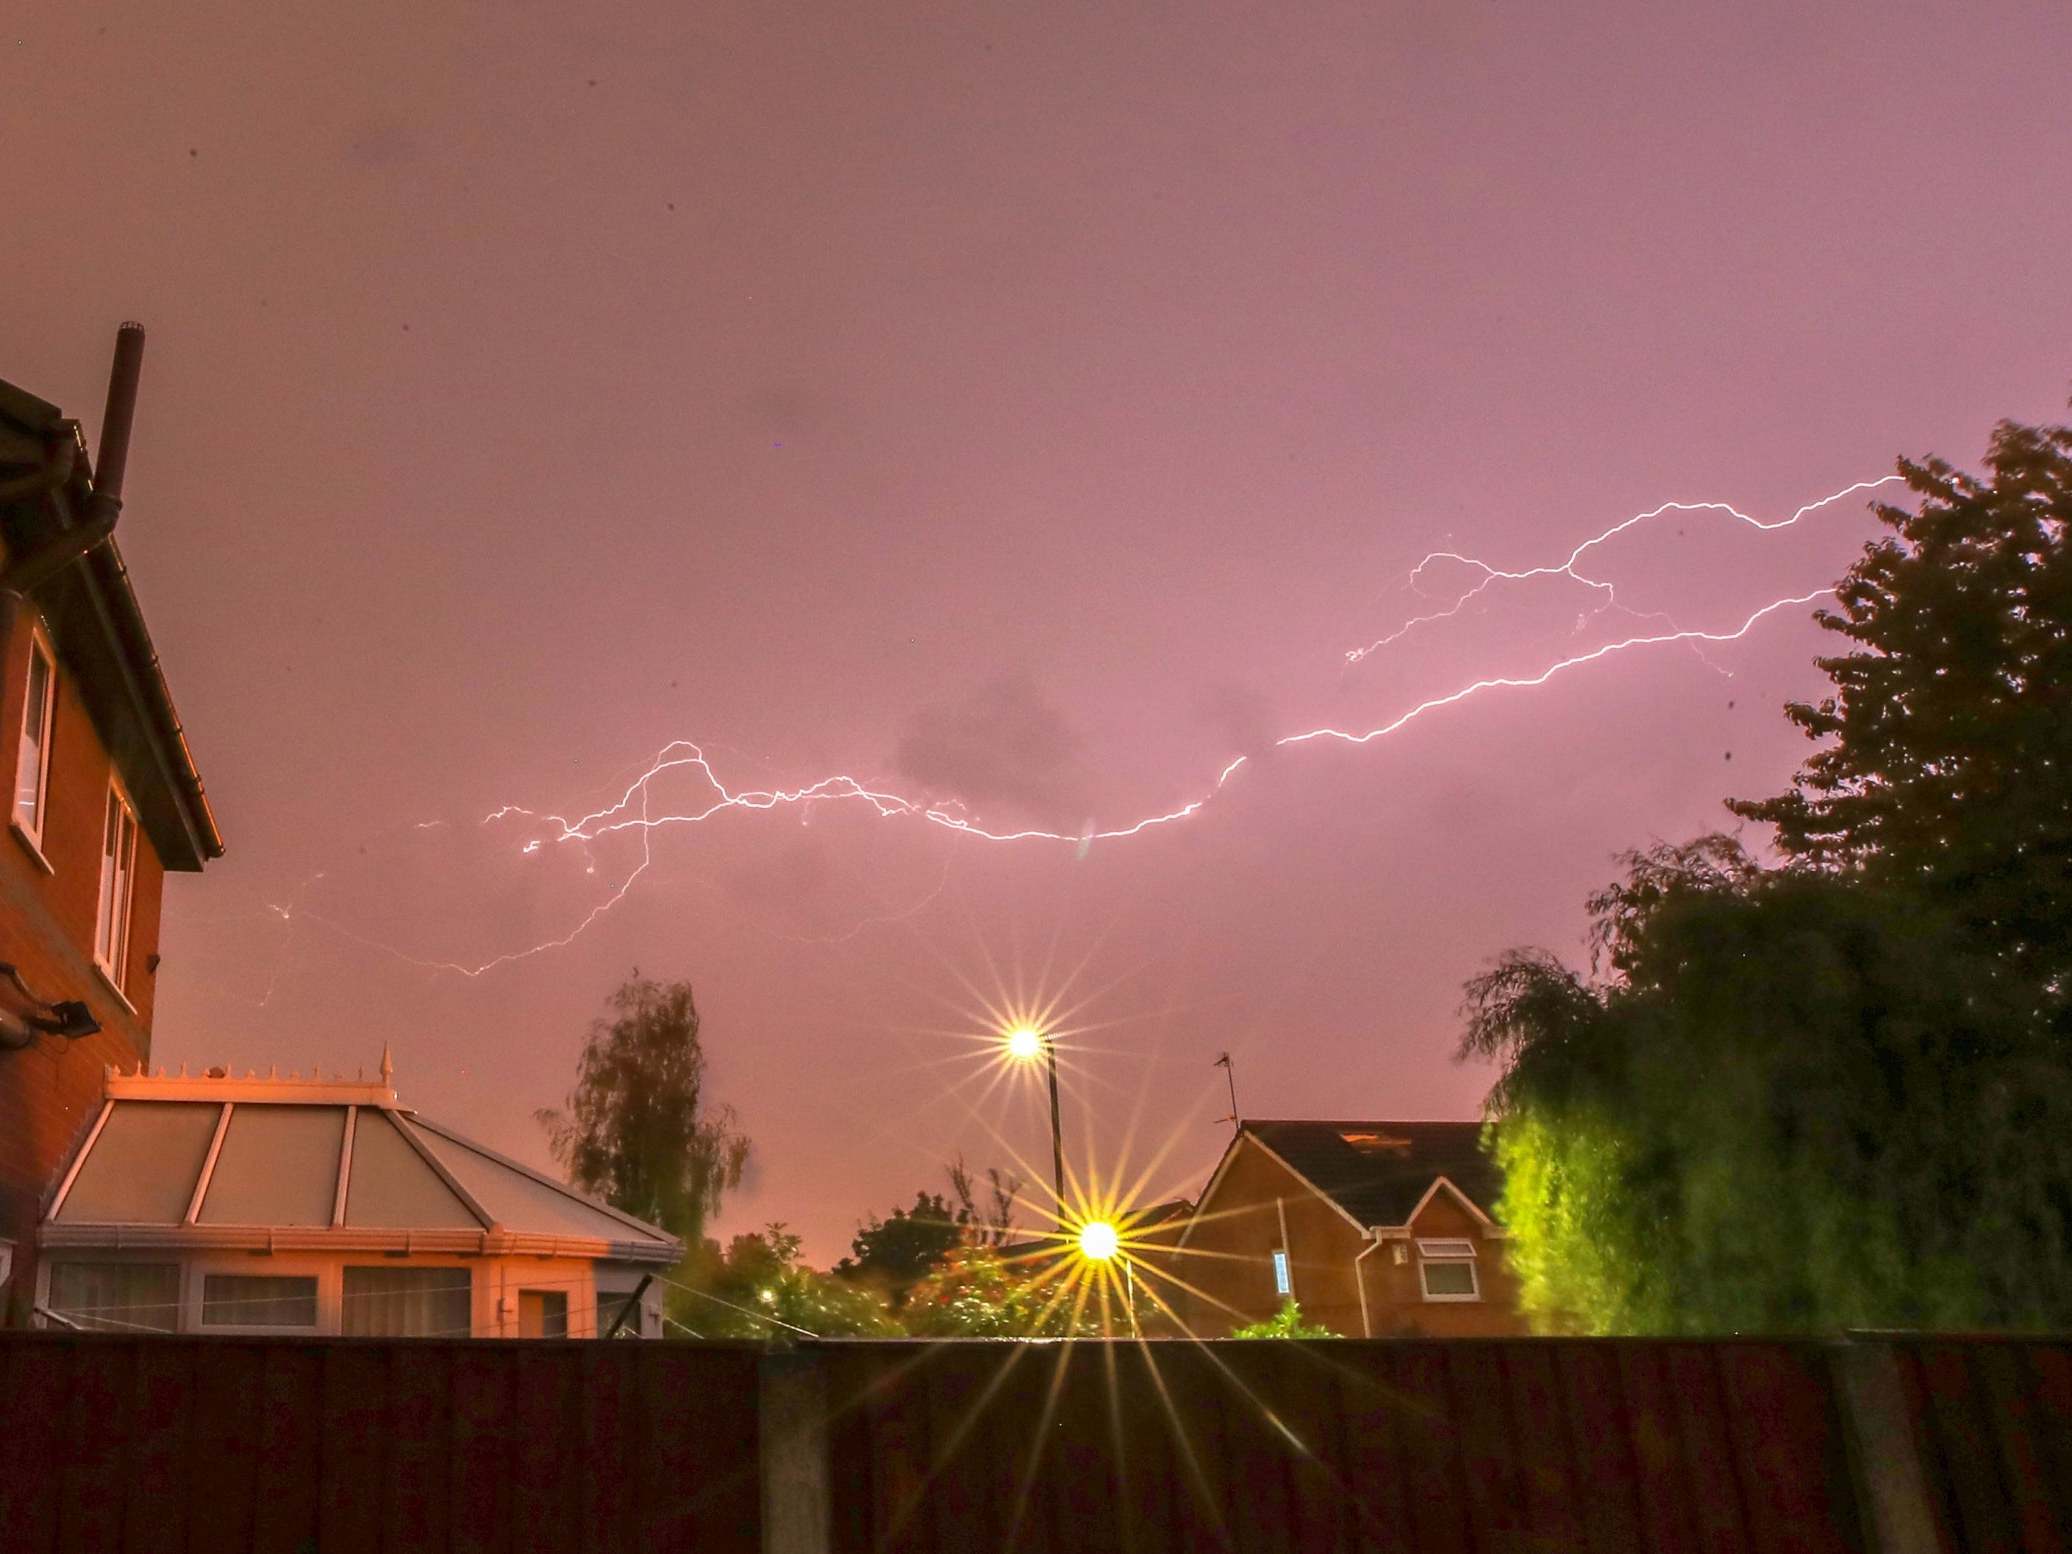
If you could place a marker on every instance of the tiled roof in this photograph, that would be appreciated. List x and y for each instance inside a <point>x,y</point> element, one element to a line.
<point>1379,1171</point>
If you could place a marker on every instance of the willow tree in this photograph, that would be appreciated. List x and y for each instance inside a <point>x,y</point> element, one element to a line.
<point>638,1130</point>
<point>1780,1102</point>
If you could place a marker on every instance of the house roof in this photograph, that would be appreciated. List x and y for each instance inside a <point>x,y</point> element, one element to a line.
<point>1379,1173</point>
<point>308,1164</point>
<point>99,629</point>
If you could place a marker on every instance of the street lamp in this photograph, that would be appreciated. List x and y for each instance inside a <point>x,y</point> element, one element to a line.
<point>1101,1242</point>
<point>1024,1042</point>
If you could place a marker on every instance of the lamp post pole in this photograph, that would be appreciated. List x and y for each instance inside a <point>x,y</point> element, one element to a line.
<point>1057,1134</point>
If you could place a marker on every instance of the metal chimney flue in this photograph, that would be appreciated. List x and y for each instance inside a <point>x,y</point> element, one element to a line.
<point>119,417</point>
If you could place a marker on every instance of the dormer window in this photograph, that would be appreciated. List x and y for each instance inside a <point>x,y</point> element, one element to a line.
<point>32,760</point>
<point>118,882</point>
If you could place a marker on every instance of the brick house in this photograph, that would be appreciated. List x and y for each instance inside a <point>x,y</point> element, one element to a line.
<point>1377,1229</point>
<point>106,798</point>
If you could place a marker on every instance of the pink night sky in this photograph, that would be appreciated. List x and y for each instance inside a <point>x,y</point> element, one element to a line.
<point>1026,406</point>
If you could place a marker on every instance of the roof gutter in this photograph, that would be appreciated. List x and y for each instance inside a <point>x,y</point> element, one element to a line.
<point>24,573</point>
<point>122,615</point>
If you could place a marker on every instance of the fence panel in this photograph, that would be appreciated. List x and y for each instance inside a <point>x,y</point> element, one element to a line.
<point>183,1445</point>
<point>153,1445</point>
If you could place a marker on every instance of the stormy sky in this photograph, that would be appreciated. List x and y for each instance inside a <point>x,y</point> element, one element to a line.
<point>1021,409</point>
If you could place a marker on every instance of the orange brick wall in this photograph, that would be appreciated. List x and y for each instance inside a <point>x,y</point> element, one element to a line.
<point>1396,1296</point>
<point>1229,1260</point>
<point>49,1092</point>
<point>1229,1253</point>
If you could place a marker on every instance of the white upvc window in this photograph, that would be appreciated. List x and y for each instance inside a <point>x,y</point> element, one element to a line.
<point>32,760</point>
<point>259,1302</point>
<point>113,1296</point>
<point>1446,1269</point>
<point>417,1301</point>
<point>118,883</point>
<point>1283,1276</point>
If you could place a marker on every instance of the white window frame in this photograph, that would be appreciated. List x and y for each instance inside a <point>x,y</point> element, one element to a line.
<point>113,919</point>
<point>41,651</point>
<point>1454,1252</point>
<point>617,1285</point>
<point>547,1294</point>
<point>269,1267</point>
<point>480,1323</point>
<point>1283,1273</point>
<point>46,1266</point>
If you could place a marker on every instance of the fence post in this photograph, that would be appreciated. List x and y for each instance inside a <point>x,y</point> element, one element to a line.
<point>1885,1463</point>
<point>798,1508</point>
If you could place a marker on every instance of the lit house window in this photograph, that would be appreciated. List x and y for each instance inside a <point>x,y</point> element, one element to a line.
<point>118,877</point>
<point>1282,1283</point>
<point>1447,1270</point>
<point>32,764</point>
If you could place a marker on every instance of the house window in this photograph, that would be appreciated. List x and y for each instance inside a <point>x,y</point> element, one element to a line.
<point>118,878</point>
<point>1447,1270</point>
<point>543,1313</point>
<point>117,1297</point>
<point>1283,1283</point>
<point>610,1304</point>
<point>32,763</point>
<point>258,1300</point>
<point>407,1303</point>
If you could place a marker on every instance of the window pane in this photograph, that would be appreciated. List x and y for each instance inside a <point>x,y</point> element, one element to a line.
<point>543,1314</point>
<point>1449,1278</point>
<point>118,865</point>
<point>258,1300</point>
<point>29,767</point>
<point>608,1309</point>
<point>407,1303</point>
<point>1457,1247</point>
<point>117,1297</point>
<point>104,926</point>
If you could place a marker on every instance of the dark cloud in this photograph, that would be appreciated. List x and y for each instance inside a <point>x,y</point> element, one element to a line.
<point>1004,744</point>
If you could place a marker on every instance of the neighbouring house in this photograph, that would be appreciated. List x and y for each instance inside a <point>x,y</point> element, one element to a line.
<point>106,798</point>
<point>1377,1229</point>
<point>322,1206</point>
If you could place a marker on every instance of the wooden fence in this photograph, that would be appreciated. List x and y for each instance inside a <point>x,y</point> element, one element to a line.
<point>1908,1446</point>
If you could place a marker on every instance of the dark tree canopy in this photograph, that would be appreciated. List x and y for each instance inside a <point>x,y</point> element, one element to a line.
<point>1947,762</point>
<point>758,1288</point>
<point>637,1130</point>
<point>894,1254</point>
<point>1799,1102</point>
<point>977,1292</point>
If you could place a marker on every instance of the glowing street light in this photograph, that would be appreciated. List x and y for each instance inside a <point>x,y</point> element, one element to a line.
<point>1024,1043</point>
<point>1099,1240</point>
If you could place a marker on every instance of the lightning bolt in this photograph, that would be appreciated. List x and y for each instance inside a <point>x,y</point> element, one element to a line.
<point>1492,575</point>
<point>634,809</point>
